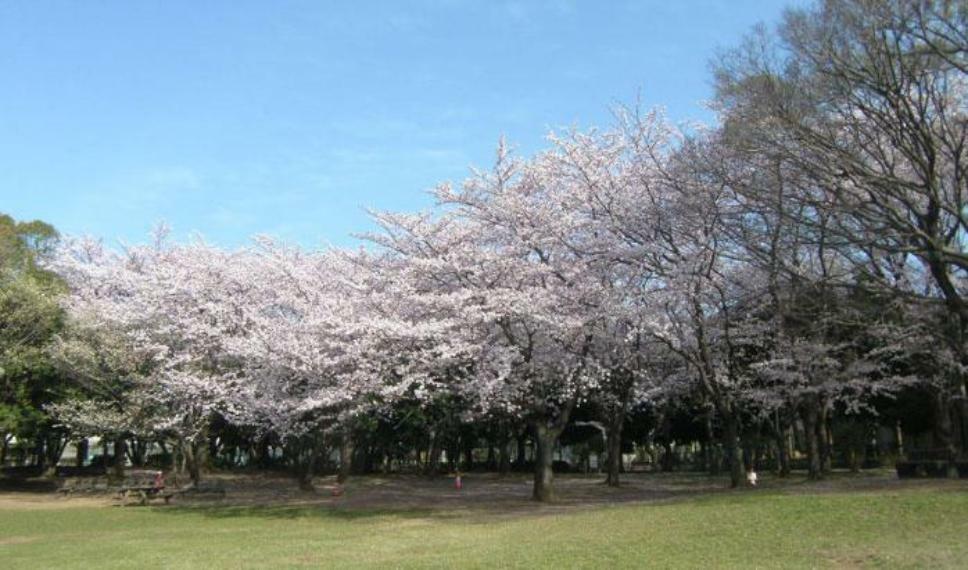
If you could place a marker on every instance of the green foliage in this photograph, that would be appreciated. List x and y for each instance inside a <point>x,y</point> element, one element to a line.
<point>29,318</point>
<point>23,245</point>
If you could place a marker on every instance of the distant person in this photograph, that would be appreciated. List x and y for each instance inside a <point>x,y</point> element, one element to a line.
<point>751,478</point>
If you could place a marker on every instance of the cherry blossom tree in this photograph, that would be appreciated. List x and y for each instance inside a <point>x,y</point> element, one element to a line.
<point>164,299</point>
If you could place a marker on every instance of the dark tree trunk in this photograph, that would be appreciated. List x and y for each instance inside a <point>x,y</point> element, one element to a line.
<point>545,439</point>
<point>307,456</point>
<point>39,456</point>
<point>810,429</point>
<point>737,471</point>
<point>53,449</point>
<point>546,435</point>
<point>855,459</point>
<point>119,458</point>
<point>781,437</point>
<point>433,455</point>
<point>80,456</point>
<point>614,443</point>
<point>713,461</point>
<point>137,451</point>
<point>782,454</point>
<point>825,434</point>
<point>345,457</point>
<point>668,463</point>
<point>263,453</point>
<point>193,455</point>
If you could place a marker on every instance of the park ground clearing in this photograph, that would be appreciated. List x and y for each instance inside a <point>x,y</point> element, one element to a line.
<point>655,520</point>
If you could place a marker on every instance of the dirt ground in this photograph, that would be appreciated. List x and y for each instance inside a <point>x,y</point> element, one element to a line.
<point>484,493</point>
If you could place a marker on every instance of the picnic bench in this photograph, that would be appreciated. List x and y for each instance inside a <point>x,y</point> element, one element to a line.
<point>146,486</point>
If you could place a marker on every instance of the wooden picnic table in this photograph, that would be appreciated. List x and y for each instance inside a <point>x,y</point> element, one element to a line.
<point>148,488</point>
<point>147,493</point>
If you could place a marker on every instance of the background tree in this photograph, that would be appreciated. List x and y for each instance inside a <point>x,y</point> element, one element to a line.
<point>29,317</point>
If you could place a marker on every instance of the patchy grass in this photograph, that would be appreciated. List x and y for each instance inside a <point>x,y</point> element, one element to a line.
<point>831,525</point>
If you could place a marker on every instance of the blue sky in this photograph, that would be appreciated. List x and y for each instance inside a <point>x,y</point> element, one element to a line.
<point>288,118</point>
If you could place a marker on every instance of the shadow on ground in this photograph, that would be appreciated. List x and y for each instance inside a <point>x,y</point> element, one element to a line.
<point>486,496</point>
<point>483,497</point>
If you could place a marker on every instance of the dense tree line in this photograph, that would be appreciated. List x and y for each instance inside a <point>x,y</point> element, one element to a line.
<point>797,269</point>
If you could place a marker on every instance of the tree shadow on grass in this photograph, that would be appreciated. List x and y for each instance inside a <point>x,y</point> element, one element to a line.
<point>483,498</point>
<point>292,512</point>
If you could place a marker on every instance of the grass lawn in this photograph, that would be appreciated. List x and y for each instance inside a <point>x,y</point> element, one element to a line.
<point>917,526</point>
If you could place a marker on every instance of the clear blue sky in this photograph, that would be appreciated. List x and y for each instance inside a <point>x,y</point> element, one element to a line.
<point>235,118</point>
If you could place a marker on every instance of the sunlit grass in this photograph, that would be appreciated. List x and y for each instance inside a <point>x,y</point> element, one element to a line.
<point>914,527</point>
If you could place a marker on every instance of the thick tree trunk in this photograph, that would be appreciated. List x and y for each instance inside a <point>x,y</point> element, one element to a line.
<point>345,457</point>
<point>133,452</point>
<point>53,450</point>
<point>810,429</point>
<point>737,471</point>
<point>668,462</point>
<point>546,435</point>
<point>614,442</point>
<point>80,455</point>
<point>781,438</point>
<point>713,462</point>
<point>854,459</point>
<point>263,453</point>
<point>39,455</point>
<point>825,434</point>
<point>119,459</point>
<point>782,453</point>
<point>307,465</point>
<point>545,439</point>
<point>193,456</point>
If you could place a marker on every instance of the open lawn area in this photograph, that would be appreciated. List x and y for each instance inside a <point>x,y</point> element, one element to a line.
<point>670,521</point>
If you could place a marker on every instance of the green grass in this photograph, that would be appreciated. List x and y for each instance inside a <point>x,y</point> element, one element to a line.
<point>908,527</point>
